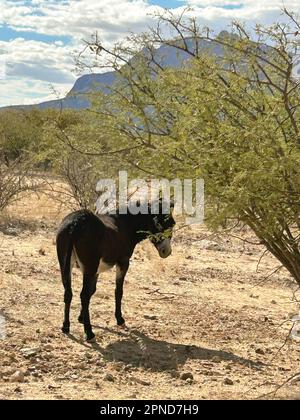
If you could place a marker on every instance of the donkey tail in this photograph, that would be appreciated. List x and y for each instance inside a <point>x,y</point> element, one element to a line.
<point>64,247</point>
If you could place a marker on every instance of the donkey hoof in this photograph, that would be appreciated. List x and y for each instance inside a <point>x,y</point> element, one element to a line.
<point>65,329</point>
<point>90,338</point>
<point>121,322</point>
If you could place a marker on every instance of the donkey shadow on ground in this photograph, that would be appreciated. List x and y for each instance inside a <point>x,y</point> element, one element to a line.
<point>135,348</point>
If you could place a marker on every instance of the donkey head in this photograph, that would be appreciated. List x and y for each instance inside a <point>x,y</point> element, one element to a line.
<point>161,230</point>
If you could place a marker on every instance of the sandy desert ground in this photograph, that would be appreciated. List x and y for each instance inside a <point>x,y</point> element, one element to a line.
<point>203,324</point>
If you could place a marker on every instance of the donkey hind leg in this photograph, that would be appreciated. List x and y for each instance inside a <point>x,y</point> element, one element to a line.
<point>120,275</point>
<point>66,278</point>
<point>80,318</point>
<point>89,288</point>
<point>66,267</point>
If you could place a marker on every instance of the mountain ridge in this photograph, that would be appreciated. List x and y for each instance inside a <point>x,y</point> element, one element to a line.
<point>166,55</point>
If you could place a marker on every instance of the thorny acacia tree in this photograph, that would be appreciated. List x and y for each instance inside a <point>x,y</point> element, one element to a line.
<point>228,114</point>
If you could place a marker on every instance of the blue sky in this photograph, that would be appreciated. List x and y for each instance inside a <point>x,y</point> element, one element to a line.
<point>7,34</point>
<point>38,37</point>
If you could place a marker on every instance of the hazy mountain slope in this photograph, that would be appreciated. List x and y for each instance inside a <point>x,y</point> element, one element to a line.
<point>167,56</point>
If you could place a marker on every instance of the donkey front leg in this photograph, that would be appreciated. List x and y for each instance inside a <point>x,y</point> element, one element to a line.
<point>89,288</point>
<point>120,275</point>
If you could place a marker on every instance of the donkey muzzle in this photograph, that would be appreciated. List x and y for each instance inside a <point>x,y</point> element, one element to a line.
<point>164,248</point>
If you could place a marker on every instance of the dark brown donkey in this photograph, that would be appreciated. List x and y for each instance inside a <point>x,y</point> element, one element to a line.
<point>99,242</point>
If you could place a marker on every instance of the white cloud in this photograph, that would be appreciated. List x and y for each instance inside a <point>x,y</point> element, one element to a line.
<point>218,14</point>
<point>16,91</point>
<point>251,11</point>
<point>38,62</point>
<point>78,18</point>
<point>33,65</point>
<point>51,57</point>
<point>264,3</point>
